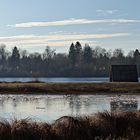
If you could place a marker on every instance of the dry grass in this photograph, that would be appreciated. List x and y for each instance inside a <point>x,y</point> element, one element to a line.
<point>70,88</point>
<point>102,126</point>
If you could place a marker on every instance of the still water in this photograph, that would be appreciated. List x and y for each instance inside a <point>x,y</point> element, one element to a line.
<point>51,107</point>
<point>58,80</point>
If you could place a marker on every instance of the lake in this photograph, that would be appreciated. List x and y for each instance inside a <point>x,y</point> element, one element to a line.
<point>51,107</point>
<point>57,80</point>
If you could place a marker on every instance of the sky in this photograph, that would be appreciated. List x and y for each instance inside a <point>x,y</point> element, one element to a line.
<point>35,24</point>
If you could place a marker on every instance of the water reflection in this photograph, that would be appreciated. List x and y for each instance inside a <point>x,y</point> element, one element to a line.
<point>75,104</point>
<point>124,105</point>
<point>51,107</point>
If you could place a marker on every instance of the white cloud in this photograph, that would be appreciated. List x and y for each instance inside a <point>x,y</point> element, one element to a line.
<point>64,40</point>
<point>72,22</point>
<point>60,37</point>
<point>106,12</point>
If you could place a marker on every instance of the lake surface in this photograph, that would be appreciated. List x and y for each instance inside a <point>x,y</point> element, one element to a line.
<point>57,80</point>
<point>51,107</point>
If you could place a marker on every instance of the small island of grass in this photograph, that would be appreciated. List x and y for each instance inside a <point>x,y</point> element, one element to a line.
<point>69,88</point>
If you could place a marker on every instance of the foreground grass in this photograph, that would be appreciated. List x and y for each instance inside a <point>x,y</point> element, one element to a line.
<point>102,126</point>
<point>69,88</point>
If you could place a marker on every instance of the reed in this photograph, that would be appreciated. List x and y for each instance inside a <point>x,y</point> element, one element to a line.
<point>101,126</point>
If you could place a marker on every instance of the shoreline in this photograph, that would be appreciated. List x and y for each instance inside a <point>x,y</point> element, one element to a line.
<point>123,88</point>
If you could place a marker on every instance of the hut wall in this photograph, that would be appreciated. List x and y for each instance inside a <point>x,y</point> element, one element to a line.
<point>123,73</point>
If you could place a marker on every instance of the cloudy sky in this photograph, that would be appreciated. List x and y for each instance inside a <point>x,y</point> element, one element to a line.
<point>34,24</point>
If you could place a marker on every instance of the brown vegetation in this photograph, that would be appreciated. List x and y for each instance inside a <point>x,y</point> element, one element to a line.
<point>69,88</point>
<point>102,126</point>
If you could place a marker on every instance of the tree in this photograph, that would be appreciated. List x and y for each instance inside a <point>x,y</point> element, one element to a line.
<point>78,47</point>
<point>137,56</point>
<point>23,53</point>
<point>87,54</point>
<point>118,57</point>
<point>48,54</point>
<point>137,59</point>
<point>118,53</point>
<point>78,51</point>
<point>98,51</point>
<point>72,54</point>
<point>15,58</point>
<point>2,54</point>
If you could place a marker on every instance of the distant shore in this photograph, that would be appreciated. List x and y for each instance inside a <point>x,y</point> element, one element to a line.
<point>69,88</point>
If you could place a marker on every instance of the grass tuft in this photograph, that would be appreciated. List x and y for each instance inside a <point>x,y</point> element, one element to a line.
<point>102,126</point>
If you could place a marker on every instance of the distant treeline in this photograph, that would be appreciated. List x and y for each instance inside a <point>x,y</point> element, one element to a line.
<point>78,62</point>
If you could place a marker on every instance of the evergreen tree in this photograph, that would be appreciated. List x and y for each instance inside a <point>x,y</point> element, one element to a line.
<point>72,54</point>
<point>15,58</point>
<point>136,56</point>
<point>2,54</point>
<point>87,54</point>
<point>78,51</point>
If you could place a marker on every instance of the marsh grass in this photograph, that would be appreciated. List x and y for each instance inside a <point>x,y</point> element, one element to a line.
<point>69,88</point>
<point>101,126</point>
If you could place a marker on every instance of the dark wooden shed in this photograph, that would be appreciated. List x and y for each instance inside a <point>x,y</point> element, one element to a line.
<point>123,73</point>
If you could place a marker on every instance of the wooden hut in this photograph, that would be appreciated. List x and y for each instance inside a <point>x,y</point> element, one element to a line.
<point>123,73</point>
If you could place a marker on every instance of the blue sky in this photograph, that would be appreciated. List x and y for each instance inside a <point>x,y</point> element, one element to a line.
<point>34,24</point>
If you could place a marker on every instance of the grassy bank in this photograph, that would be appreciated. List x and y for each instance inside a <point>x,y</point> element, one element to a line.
<point>69,88</point>
<point>102,126</point>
